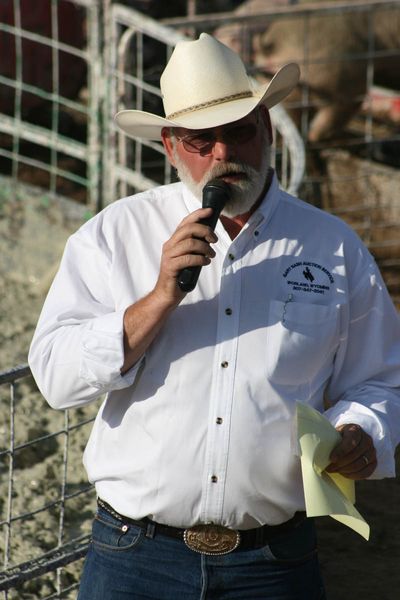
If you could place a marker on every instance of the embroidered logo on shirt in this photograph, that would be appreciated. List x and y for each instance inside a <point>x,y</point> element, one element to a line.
<point>308,277</point>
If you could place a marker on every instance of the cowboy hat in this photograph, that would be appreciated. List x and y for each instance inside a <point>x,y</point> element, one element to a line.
<point>205,84</point>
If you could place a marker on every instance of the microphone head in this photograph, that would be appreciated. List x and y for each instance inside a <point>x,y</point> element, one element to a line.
<point>215,194</point>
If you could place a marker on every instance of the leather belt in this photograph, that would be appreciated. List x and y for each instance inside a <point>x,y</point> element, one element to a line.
<point>209,538</point>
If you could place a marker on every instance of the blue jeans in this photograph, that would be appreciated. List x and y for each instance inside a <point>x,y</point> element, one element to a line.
<point>124,564</point>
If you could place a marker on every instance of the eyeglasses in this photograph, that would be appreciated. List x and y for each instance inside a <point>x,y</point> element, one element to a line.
<point>203,141</point>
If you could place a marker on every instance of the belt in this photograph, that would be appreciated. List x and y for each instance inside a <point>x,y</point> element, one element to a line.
<point>209,538</point>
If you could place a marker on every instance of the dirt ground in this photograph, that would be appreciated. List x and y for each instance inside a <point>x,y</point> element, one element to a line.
<point>32,234</point>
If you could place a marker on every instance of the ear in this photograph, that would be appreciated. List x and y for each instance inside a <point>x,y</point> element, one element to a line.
<point>267,121</point>
<point>167,143</point>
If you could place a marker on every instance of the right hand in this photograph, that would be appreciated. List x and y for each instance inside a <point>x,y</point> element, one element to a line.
<point>189,246</point>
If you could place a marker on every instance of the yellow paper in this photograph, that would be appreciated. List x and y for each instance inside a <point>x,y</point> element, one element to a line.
<point>325,493</point>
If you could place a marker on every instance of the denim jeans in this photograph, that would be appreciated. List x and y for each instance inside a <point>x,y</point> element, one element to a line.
<point>124,564</point>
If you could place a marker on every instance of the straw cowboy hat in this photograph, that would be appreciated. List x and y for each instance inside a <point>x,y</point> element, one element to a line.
<point>205,84</point>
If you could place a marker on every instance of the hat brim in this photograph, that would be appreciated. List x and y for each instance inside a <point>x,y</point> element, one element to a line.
<point>137,123</point>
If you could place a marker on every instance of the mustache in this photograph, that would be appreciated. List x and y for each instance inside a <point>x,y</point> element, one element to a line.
<point>231,167</point>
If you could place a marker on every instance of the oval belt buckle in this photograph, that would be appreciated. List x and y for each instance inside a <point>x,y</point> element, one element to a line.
<point>211,539</point>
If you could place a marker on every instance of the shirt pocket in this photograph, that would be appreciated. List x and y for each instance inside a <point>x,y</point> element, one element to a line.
<point>302,340</point>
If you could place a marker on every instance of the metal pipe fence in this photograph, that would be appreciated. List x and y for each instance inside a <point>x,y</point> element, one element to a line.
<point>40,100</point>
<point>45,511</point>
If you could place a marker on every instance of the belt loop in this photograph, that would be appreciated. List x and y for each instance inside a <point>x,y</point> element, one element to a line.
<point>150,530</point>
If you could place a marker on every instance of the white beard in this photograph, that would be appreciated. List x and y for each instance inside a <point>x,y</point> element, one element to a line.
<point>244,194</point>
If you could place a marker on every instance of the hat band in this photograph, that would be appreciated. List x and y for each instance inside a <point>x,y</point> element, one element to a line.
<point>178,113</point>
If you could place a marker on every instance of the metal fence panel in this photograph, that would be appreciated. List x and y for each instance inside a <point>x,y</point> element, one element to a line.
<point>50,97</point>
<point>46,504</point>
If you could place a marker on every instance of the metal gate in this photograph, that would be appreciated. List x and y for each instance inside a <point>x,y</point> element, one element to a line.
<point>37,103</point>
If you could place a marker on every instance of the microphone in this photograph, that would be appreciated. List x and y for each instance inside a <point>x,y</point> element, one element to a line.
<point>215,194</point>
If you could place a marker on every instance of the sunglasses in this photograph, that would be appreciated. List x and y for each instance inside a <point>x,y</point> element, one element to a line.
<point>203,141</point>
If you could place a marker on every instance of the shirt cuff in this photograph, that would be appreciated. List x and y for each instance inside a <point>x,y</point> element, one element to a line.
<point>103,354</point>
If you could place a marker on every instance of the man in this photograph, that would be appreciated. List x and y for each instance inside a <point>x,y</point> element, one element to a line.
<point>198,479</point>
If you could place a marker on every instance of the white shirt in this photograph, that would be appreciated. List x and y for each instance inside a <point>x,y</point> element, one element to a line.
<point>201,429</point>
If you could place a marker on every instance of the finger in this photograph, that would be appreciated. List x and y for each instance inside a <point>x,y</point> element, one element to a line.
<point>190,246</point>
<point>195,216</point>
<point>189,260</point>
<point>171,268</point>
<point>197,230</point>
<point>364,448</point>
<point>358,470</point>
<point>200,256</point>
<point>351,438</point>
<point>357,466</point>
<point>355,462</point>
<point>355,456</point>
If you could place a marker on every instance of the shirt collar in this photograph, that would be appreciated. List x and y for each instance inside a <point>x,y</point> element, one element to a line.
<point>267,207</point>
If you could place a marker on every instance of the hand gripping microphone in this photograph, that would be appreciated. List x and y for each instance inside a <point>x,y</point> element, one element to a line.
<point>215,194</point>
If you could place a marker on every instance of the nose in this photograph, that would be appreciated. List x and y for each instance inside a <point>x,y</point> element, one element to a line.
<point>223,150</point>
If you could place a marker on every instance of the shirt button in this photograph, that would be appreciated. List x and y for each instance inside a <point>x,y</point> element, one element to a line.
<point>228,311</point>
<point>231,256</point>
<point>219,420</point>
<point>214,478</point>
<point>256,233</point>
<point>224,364</point>
<point>124,528</point>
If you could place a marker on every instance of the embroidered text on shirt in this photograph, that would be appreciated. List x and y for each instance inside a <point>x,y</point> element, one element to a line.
<point>308,277</point>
